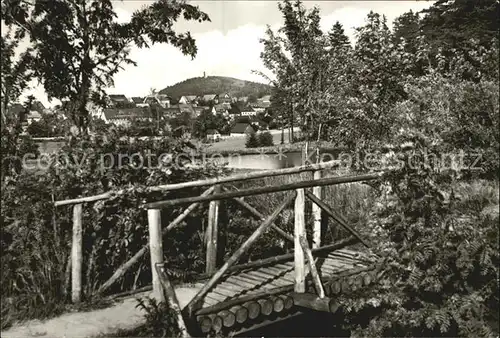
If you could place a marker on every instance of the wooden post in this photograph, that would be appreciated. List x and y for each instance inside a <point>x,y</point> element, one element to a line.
<point>237,255</point>
<point>316,211</point>
<point>212,235</point>
<point>171,298</point>
<point>76,255</point>
<point>156,250</point>
<point>300,230</point>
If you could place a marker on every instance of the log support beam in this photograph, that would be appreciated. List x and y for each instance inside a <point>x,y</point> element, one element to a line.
<point>313,302</point>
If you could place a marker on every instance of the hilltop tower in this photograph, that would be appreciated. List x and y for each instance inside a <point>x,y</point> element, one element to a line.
<point>204,75</point>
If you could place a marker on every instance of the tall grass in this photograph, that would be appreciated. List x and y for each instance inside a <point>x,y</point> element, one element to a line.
<point>353,201</point>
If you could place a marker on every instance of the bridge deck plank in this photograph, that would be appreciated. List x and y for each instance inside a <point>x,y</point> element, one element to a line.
<point>278,275</point>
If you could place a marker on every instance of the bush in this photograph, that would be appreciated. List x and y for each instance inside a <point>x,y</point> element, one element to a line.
<point>36,240</point>
<point>441,251</point>
<point>252,140</point>
<point>265,139</point>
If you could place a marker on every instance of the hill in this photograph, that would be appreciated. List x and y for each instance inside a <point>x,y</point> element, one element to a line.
<point>217,85</point>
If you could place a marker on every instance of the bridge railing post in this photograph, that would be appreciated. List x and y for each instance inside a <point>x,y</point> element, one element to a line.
<point>317,212</point>
<point>156,250</point>
<point>299,230</point>
<point>77,254</point>
<point>212,234</point>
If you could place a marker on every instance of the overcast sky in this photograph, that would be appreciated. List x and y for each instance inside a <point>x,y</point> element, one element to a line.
<point>229,44</point>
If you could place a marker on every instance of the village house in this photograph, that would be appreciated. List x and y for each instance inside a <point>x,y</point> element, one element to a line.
<point>265,99</point>
<point>199,109</point>
<point>160,99</point>
<point>208,98</point>
<point>223,98</point>
<point>248,111</point>
<point>117,101</point>
<point>185,99</point>
<point>187,108</point>
<point>213,135</point>
<point>137,100</point>
<point>262,104</point>
<point>241,129</point>
<point>33,116</point>
<point>125,116</point>
<point>36,112</point>
<point>259,123</point>
<point>222,108</point>
<point>178,109</point>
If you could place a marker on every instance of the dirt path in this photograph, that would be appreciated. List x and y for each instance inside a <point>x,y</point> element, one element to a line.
<point>123,315</point>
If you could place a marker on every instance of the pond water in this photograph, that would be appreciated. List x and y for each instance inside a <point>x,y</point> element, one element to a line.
<point>258,161</point>
<point>273,160</point>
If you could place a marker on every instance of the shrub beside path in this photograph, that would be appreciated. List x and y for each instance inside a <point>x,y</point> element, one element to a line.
<point>122,315</point>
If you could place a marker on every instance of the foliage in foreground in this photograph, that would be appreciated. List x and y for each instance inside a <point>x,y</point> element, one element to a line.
<point>36,240</point>
<point>441,251</point>
<point>161,320</point>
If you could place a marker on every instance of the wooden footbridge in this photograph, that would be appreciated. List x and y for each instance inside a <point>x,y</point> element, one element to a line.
<point>240,297</point>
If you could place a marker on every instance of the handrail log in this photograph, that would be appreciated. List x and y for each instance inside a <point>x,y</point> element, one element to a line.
<point>336,217</point>
<point>265,190</point>
<point>205,182</point>
<point>237,254</point>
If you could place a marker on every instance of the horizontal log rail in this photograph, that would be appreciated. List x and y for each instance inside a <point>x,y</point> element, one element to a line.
<point>205,182</point>
<point>265,190</point>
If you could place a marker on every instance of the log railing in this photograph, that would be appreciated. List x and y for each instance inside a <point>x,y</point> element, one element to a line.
<point>221,193</point>
<point>302,251</point>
